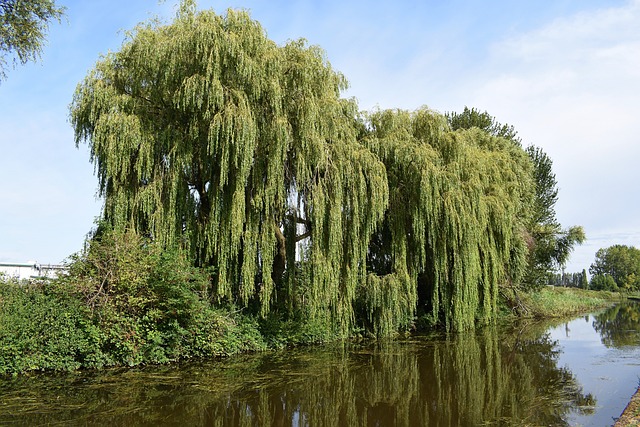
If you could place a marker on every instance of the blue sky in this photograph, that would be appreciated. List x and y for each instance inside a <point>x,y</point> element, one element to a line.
<point>565,73</point>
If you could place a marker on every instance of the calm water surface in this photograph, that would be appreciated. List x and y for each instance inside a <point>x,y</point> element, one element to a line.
<point>581,372</point>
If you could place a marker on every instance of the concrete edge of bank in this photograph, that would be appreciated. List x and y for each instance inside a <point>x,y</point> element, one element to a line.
<point>631,414</point>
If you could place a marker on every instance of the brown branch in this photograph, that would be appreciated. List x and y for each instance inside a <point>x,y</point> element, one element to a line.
<point>299,220</point>
<point>303,236</point>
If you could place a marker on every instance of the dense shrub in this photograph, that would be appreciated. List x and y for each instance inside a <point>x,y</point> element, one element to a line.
<point>151,303</point>
<point>41,328</point>
<point>126,300</point>
<point>603,282</point>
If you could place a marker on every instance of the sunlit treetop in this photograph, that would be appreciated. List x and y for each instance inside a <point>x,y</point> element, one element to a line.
<point>23,30</point>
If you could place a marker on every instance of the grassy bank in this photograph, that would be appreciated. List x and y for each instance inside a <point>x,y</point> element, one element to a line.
<point>552,302</point>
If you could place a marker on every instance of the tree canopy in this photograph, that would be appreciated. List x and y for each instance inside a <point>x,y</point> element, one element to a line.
<point>549,245</point>
<point>616,267</point>
<point>206,134</point>
<point>472,117</point>
<point>23,29</point>
<point>455,221</point>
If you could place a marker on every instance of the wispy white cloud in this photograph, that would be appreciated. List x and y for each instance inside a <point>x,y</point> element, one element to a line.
<point>572,88</point>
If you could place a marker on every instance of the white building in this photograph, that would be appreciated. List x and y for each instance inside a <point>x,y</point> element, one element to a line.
<point>30,270</point>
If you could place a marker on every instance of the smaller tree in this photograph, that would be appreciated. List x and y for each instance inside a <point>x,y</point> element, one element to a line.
<point>603,282</point>
<point>483,120</point>
<point>584,281</point>
<point>549,245</point>
<point>23,29</point>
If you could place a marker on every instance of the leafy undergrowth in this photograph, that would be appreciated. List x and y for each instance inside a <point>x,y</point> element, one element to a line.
<point>128,302</point>
<point>44,328</point>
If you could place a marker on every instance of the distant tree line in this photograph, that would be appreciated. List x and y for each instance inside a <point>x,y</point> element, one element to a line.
<point>616,268</point>
<point>570,280</point>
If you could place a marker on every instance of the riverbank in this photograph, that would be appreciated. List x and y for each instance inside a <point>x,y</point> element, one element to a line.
<point>406,381</point>
<point>631,414</point>
<point>557,302</point>
<point>53,326</point>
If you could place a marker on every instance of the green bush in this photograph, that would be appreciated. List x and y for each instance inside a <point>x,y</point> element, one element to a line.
<point>603,282</point>
<point>44,329</point>
<point>144,298</point>
<point>126,301</point>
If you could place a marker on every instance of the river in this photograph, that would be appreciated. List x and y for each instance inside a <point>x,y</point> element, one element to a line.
<point>578,372</point>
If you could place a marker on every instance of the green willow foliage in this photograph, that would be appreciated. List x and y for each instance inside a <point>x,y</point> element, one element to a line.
<point>23,30</point>
<point>206,134</point>
<point>455,220</point>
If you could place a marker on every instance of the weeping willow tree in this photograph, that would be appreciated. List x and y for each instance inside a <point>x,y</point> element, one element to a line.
<point>206,134</point>
<point>549,245</point>
<point>453,231</point>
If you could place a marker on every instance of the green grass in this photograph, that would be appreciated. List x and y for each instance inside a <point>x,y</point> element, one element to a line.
<point>551,302</point>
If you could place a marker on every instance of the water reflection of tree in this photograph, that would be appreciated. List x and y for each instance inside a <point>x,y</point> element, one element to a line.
<point>619,326</point>
<point>469,379</point>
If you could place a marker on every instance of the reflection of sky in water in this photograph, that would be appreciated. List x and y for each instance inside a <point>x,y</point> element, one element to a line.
<point>611,374</point>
